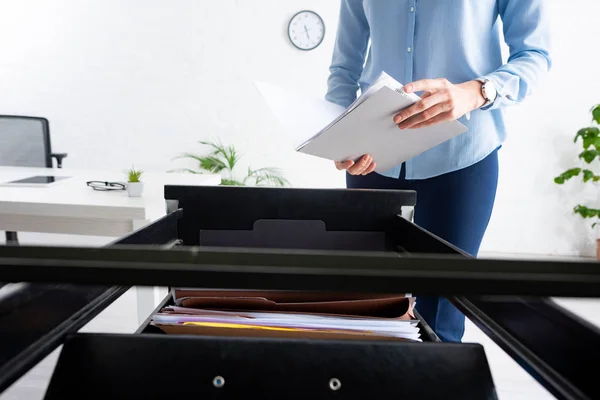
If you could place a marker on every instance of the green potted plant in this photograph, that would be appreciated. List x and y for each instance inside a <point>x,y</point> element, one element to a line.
<point>223,159</point>
<point>135,187</point>
<point>590,141</point>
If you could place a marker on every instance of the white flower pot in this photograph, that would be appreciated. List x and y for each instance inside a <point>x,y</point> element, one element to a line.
<point>135,189</point>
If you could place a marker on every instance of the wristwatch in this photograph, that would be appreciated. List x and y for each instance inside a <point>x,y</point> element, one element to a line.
<point>488,90</point>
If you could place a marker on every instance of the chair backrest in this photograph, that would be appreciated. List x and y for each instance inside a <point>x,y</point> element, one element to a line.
<point>24,142</point>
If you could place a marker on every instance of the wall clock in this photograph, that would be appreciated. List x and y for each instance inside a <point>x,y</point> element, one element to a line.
<point>306,30</point>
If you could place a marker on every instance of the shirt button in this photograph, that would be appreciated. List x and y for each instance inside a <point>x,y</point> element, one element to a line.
<point>409,49</point>
<point>412,9</point>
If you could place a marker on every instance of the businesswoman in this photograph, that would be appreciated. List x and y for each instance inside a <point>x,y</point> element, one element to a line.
<point>449,52</point>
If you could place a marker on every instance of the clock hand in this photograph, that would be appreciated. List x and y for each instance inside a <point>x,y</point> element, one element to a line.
<point>306,30</point>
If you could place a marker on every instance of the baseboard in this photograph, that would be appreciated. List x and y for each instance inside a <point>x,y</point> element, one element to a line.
<point>530,256</point>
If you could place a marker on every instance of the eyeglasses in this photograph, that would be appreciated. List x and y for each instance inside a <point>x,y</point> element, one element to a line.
<point>106,186</point>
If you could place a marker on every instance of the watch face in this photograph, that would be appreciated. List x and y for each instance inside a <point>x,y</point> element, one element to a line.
<point>490,91</point>
<point>306,30</point>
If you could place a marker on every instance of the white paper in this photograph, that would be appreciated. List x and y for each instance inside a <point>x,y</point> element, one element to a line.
<point>301,116</point>
<point>407,329</point>
<point>383,80</point>
<point>370,129</point>
<point>326,130</point>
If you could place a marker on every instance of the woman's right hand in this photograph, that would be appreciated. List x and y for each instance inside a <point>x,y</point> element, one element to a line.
<point>364,166</point>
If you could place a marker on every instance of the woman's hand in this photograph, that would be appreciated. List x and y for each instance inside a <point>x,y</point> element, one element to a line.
<point>364,166</point>
<point>441,101</point>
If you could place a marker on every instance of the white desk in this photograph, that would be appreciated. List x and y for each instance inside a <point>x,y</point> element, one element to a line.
<point>71,207</point>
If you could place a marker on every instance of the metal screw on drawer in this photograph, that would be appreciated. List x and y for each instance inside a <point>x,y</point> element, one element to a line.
<point>218,381</point>
<point>335,384</point>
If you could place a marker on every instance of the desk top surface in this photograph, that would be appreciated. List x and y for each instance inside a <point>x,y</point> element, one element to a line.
<point>73,196</point>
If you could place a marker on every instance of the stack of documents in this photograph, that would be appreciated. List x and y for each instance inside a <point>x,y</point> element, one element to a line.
<point>289,314</point>
<point>326,130</point>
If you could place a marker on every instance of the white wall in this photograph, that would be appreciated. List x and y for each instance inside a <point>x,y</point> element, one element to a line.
<point>140,81</point>
<point>532,214</point>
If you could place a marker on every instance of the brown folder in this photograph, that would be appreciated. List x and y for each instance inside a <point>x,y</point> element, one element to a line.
<point>360,305</point>
<point>281,296</point>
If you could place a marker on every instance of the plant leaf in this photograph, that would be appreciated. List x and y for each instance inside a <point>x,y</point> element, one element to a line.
<point>208,163</point>
<point>212,164</point>
<point>134,175</point>
<point>223,158</point>
<point>588,135</point>
<point>596,113</point>
<point>588,141</point>
<point>248,175</point>
<point>190,156</point>
<point>589,175</point>
<point>589,155</point>
<point>586,212</point>
<point>216,147</point>
<point>565,176</point>
<point>270,176</point>
<point>231,157</point>
<point>231,182</point>
<point>228,153</point>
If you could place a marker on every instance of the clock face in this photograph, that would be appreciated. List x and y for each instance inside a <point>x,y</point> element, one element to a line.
<point>306,30</point>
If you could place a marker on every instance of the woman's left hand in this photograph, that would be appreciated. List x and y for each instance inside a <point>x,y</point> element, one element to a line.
<point>441,101</point>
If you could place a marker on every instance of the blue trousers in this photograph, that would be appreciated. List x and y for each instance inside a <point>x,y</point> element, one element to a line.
<point>456,207</point>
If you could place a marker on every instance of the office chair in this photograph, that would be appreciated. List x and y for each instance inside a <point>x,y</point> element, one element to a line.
<point>25,142</point>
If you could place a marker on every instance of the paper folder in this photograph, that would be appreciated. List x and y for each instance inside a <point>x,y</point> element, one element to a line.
<point>289,314</point>
<point>329,131</point>
<point>385,307</point>
<point>254,333</point>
